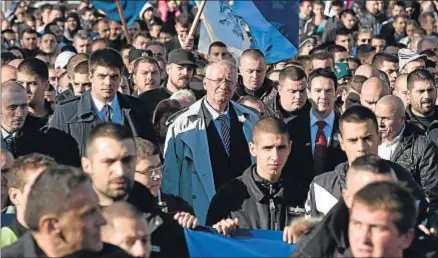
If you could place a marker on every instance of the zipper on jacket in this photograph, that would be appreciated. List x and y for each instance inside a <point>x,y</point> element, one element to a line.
<point>272,207</point>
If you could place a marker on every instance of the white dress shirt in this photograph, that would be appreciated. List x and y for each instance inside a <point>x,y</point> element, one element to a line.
<point>329,120</point>
<point>115,110</point>
<point>387,148</point>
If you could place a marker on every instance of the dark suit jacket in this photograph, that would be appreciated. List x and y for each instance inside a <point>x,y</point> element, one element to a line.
<point>27,247</point>
<point>300,167</point>
<point>74,120</point>
<point>28,140</point>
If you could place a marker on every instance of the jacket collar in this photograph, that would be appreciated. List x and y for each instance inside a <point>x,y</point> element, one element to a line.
<point>196,110</point>
<point>252,181</point>
<point>338,225</point>
<point>87,111</point>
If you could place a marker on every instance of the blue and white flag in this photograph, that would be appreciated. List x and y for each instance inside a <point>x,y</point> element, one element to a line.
<point>243,243</point>
<point>131,9</point>
<point>274,26</point>
<point>220,24</point>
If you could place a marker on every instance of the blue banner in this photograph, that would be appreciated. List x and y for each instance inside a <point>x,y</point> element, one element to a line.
<point>274,26</point>
<point>131,9</point>
<point>243,243</point>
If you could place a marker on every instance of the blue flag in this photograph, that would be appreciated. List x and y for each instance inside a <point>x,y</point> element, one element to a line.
<point>131,9</point>
<point>243,243</point>
<point>274,26</point>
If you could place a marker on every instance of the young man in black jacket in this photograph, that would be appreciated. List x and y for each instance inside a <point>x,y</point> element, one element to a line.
<point>258,199</point>
<point>110,162</point>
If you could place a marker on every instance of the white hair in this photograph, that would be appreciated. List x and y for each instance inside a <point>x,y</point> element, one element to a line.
<point>225,63</point>
<point>185,97</point>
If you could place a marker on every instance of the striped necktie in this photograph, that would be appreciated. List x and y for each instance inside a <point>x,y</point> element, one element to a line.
<point>225,132</point>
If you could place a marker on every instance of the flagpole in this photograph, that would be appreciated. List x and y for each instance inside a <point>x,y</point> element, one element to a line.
<point>122,18</point>
<point>197,17</point>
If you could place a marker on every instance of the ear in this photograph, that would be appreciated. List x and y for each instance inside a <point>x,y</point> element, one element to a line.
<point>46,85</point>
<point>341,141</point>
<point>407,238</point>
<point>347,198</point>
<point>290,147</point>
<point>86,165</point>
<point>14,196</point>
<point>49,224</point>
<point>168,68</point>
<point>252,149</point>
<point>90,76</point>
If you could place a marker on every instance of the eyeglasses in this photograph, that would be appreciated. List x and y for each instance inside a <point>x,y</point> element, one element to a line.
<point>152,172</point>
<point>228,83</point>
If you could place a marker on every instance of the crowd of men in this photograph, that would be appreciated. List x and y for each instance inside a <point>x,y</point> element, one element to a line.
<point>112,149</point>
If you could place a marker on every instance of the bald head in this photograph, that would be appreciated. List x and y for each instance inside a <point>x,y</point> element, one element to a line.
<point>401,89</point>
<point>367,71</point>
<point>16,62</point>
<point>9,73</point>
<point>372,90</point>
<point>391,102</point>
<point>390,113</point>
<point>12,86</point>
<point>126,227</point>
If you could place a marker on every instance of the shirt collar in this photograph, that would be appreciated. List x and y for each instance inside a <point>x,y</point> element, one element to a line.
<point>214,114</point>
<point>395,140</point>
<point>100,105</point>
<point>329,120</point>
<point>6,134</point>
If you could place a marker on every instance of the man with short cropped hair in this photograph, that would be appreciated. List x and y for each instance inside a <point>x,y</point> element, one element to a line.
<point>64,218</point>
<point>401,89</point>
<point>29,42</point>
<point>110,161</point>
<point>103,103</point>
<point>378,42</point>
<point>102,28</point>
<point>33,74</point>
<point>314,135</point>
<point>126,227</point>
<point>257,200</point>
<point>82,42</point>
<point>183,23</point>
<point>253,79</point>
<point>20,179</point>
<point>388,64</point>
<point>18,136</point>
<point>217,51</point>
<point>140,40</point>
<point>9,73</point>
<point>291,100</point>
<point>322,59</point>
<point>384,205</point>
<point>422,93</point>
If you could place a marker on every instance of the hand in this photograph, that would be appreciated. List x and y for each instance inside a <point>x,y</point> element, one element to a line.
<point>293,233</point>
<point>226,226</point>
<point>186,220</point>
<point>427,231</point>
<point>189,43</point>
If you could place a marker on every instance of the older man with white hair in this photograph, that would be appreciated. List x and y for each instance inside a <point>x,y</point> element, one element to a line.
<point>207,144</point>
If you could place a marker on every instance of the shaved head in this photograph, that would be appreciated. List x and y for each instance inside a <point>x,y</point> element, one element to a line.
<point>394,103</point>
<point>269,125</point>
<point>372,90</point>
<point>9,72</point>
<point>121,209</point>
<point>16,62</point>
<point>401,89</point>
<point>367,71</point>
